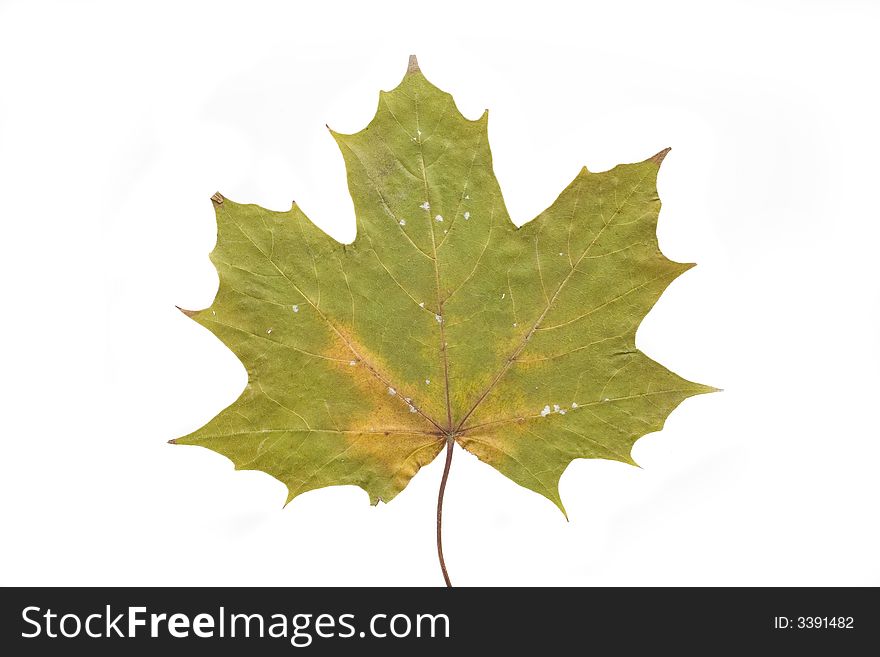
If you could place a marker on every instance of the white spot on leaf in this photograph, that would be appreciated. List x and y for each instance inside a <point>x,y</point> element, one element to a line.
<point>556,407</point>
<point>296,309</point>
<point>467,215</point>
<point>545,411</point>
<point>427,382</point>
<point>402,222</point>
<point>439,318</point>
<point>268,330</point>
<point>392,391</point>
<point>421,304</point>
<point>438,218</point>
<point>574,404</point>
<point>352,363</point>
<point>425,206</point>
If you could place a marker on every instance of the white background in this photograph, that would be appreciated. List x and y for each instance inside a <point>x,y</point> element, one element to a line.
<point>119,120</point>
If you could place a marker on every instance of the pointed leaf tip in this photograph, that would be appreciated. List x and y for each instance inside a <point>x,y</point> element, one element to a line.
<point>413,65</point>
<point>659,157</point>
<point>561,507</point>
<point>217,198</point>
<point>188,313</point>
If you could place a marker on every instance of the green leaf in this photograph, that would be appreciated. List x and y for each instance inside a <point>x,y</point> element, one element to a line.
<point>442,320</point>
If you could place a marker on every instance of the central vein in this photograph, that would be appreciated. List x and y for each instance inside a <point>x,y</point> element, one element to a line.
<point>439,296</point>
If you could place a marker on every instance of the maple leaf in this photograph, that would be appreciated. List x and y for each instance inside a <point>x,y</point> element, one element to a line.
<point>442,322</point>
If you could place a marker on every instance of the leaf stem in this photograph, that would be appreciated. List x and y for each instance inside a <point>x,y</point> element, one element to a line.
<point>450,442</point>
